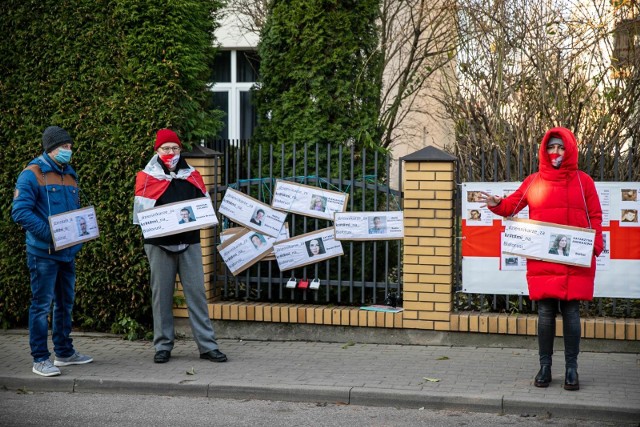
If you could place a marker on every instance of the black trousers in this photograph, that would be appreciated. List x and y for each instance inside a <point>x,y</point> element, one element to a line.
<point>570,310</point>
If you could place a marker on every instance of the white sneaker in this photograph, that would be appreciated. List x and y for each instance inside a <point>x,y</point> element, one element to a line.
<point>45,368</point>
<point>75,359</point>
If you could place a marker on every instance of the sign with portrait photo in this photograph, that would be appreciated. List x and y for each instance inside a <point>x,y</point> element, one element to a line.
<point>252,213</point>
<point>174,218</point>
<point>307,249</point>
<point>307,200</point>
<point>73,227</point>
<point>369,225</point>
<point>243,249</point>
<point>549,242</point>
<point>269,256</point>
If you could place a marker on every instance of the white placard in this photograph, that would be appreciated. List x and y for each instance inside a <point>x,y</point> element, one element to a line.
<point>73,227</point>
<point>307,200</point>
<point>243,249</point>
<point>269,256</point>
<point>369,225</point>
<point>252,213</point>
<point>306,249</point>
<point>548,242</point>
<point>174,218</point>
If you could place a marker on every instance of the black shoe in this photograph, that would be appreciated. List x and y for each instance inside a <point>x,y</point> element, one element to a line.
<point>543,379</point>
<point>571,379</point>
<point>214,356</point>
<point>162,356</point>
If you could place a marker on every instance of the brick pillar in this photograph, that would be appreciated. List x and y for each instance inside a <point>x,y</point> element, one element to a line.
<point>204,160</point>
<point>428,184</point>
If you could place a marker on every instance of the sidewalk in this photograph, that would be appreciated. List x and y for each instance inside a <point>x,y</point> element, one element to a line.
<point>475,379</point>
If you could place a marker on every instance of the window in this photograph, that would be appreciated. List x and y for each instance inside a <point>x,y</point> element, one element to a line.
<point>235,72</point>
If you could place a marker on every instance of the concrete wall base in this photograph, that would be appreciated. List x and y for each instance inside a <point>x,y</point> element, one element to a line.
<point>344,334</point>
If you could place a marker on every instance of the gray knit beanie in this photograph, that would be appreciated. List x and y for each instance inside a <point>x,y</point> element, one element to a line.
<point>54,136</point>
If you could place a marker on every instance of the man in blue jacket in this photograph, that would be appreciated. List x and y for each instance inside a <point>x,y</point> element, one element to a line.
<point>48,186</point>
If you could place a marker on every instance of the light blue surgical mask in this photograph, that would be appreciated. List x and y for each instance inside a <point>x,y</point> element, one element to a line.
<point>63,157</point>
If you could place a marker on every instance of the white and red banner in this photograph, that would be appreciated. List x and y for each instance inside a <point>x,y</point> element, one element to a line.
<point>486,270</point>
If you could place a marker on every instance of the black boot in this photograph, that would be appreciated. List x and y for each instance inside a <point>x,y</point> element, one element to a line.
<point>543,379</point>
<point>571,379</point>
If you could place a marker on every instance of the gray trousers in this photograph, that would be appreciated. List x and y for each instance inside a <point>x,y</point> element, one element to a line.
<point>188,265</point>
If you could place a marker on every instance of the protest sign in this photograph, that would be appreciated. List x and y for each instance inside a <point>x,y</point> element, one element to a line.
<point>252,213</point>
<point>369,225</point>
<point>269,256</point>
<point>307,200</point>
<point>549,242</point>
<point>73,227</point>
<point>306,249</point>
<point>174,218</point>
<point>243,249</point>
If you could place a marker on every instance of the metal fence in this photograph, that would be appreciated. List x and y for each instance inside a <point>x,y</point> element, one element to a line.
<point>510,164</point>
<point>367,273</point>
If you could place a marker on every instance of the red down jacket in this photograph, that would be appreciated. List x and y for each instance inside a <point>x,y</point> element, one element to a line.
<point>561,196</point>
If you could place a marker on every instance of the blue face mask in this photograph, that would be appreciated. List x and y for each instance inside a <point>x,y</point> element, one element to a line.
<point>63,157</point>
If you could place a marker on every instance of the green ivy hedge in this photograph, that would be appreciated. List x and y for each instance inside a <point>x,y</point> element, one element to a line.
<point>111,73</point>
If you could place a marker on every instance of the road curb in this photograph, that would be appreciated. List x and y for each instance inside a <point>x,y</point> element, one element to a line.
<point>367,396</point>
<point>283,392</point>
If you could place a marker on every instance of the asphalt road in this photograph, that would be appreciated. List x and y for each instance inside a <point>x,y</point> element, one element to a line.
<point>56,409</point>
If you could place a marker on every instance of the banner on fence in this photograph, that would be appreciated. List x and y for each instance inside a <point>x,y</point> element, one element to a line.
<point>269,256</point>
<point>307,200</point>
<point>369,225</point>
<point>307,249</point>
<point>251,213</point>
<point>243,249</point>
<point>487,270</point>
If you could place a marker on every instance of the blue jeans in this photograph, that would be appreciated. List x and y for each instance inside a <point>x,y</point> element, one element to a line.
<point>571,330</point>
<point>51,281</point>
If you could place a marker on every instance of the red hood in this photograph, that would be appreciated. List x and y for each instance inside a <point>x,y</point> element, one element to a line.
<point>570,160</point>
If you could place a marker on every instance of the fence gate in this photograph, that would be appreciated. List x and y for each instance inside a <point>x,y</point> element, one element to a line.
<point>368,272</point>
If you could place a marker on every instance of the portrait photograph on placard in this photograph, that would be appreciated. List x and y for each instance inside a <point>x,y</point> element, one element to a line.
<point>83,228</point>
<point>629,195</point>
<point>186,215</point>
<point>369,225</point>
<point>560,244</point>
<point>174,218</point>
<point>307,249</point>
<point>243,249</point>
<point>251,213</point>
<point>73,227</point>
<point>629,216</point>
<point>474,215</point>
<point>308,200</point>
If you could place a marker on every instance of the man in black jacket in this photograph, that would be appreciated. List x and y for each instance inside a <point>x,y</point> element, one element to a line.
<point>168,178</point>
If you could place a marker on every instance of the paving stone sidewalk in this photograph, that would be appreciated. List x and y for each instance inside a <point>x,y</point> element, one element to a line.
<point>495,380</point>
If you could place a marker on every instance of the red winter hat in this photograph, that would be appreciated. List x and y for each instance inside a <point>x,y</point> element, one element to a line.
<point>166,135</point>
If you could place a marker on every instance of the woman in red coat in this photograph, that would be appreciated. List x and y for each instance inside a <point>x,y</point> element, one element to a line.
<point>558,193</point>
